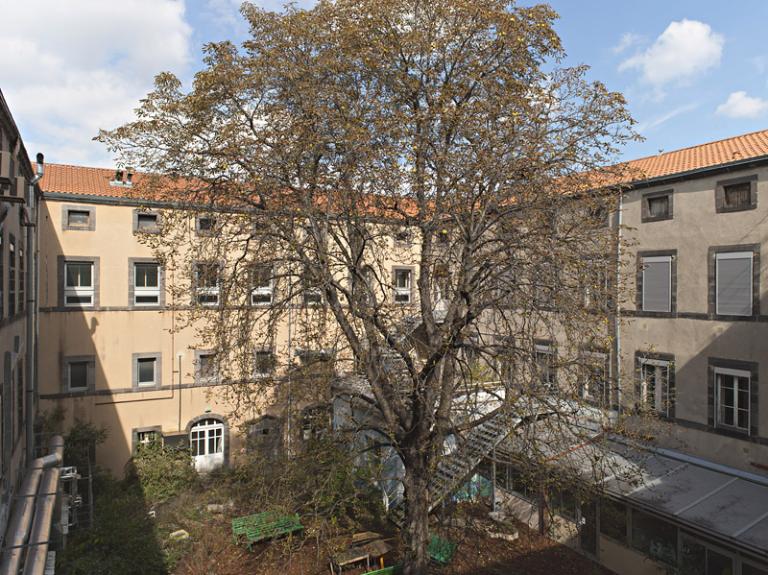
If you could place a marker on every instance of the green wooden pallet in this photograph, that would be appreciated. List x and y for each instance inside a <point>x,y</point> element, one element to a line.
<point>441,550</point>
<point>394,570</point>
<point>262,526</point>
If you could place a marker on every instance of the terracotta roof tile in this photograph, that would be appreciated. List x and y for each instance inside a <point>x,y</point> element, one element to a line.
<point>84,181</point>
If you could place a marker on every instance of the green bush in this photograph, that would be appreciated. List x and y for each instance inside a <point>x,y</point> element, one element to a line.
<point>162,472</point>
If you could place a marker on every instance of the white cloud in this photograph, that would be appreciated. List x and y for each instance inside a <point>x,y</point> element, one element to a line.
<point>648,125</point>
<point>685,50</point>
<point>739,105</point>
<point>628,40</point>
<point>70,68</point>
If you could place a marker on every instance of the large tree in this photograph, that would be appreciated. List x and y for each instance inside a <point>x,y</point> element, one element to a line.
<point>440,136</point>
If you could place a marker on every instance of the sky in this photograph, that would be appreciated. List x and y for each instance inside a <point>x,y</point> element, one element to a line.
<point>692,71</point>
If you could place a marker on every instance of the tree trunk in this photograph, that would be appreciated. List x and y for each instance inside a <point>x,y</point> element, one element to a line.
<point>415,533</point>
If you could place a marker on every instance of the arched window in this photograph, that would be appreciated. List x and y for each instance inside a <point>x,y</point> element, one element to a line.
<point>206,440</point>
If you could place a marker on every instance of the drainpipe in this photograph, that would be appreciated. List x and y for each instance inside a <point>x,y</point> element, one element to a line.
<point>31,307</point>
<point>34,513</point>
<point>617,312</point>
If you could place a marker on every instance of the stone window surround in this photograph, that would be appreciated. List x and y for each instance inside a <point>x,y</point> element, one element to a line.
<point>66,208</point>
<point>139,211</point>
<point>205,233</point>
<point>90,375</point>
<point>605,358</point>
<point>412,286</point>
<point>645,215</point>
<point>158,429</point>
<point>712,280</point>
<point>669,358</point>
<point>158,357</point>
<point>198,377</point>
<point>639,283</point>
<point>749,366</point>
<point>720,206</point>
<point>62,260</point>
<point>131,283</point>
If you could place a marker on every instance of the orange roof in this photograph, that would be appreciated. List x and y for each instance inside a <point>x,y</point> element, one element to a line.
<point>80,180</point>
<point>709,155</point>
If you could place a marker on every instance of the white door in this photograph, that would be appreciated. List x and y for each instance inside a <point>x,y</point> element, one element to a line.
<point>206,439</point>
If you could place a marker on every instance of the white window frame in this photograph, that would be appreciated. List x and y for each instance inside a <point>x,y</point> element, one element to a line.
<point>661,400</point>
<point>143,291</point>
<point>263,291</point>
<point>69,375</point>
<point>740,373</point>
<point>79,291</point>
<point>402,295</point>
<point>652,260</point>
<point>199,376</point>
<point>588,393</point>
<point>148,436</point>
<point>312,292</point>
<point>548,350</point>
<point>734,256</point>
<point>206,430</point>
<point>208,291</point>
<point>155,379</point>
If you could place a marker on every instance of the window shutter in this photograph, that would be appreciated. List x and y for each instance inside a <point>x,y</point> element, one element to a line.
<point>657,284</point>
<point>734,283</point>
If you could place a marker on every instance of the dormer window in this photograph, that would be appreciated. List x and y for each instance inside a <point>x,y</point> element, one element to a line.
<point>122,178</point>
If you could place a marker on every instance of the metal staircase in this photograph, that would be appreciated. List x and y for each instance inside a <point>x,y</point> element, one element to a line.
<point>455,468</point>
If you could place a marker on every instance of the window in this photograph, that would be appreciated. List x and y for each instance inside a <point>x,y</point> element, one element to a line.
<point>403,237</point>
<point>654,537</point>
<point>403,285</point>
<point>76,218</point>
<point>78,373</point>
<point>22,280</point>
<point>734,283</point>
<point>736,194</point>
<point>544,287</point>
<point>146,370</point>
<point>205,225</point>
<point>697,558</point>
<point>147,437</point>
<point>146,222</point>
<point>19,399</point>
<point>315,422</point>
<point>207,283</point>
<point>655,384</point>
<point>655,283</point>
<point>207,368</point>
<point>2,272</point>
<point>596,387</point>
<point>748,569</point>
<point>732,397</point>
<point>264,361</point>
<point>261,292</point>
<point>146,284</point>
<point>78,284</point>
<point>656,206</point>
<point>312,296</point>
<point>613,520</point>
<point>11,275</point>
<point>544,356</point>
<point>595,287</point>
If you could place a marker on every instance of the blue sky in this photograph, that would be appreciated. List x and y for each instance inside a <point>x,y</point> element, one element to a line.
<point>692,71</point>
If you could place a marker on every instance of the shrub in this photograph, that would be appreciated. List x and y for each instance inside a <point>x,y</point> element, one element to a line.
<point>162,472</point>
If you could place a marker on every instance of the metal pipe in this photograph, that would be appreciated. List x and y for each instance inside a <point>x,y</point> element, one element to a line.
<point>39,538</point>
<point>27,509</point>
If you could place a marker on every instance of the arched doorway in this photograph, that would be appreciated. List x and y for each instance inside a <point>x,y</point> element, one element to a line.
<point>206,441</point>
